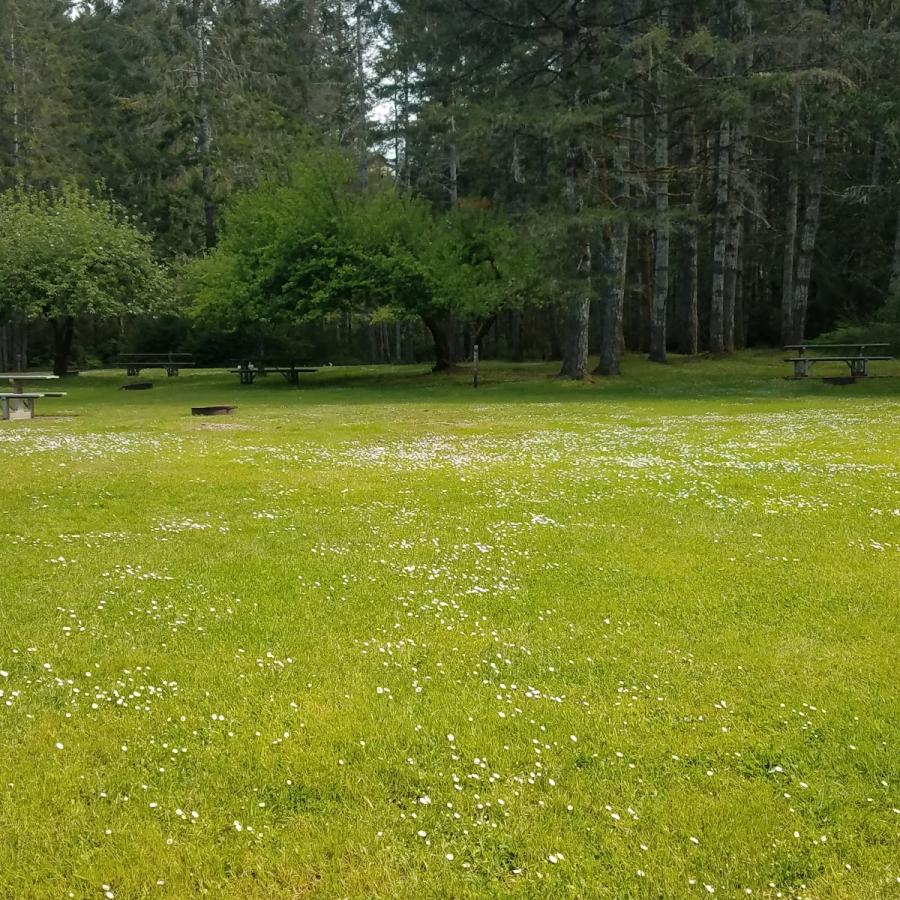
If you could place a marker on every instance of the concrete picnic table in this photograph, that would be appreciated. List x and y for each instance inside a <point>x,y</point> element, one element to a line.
<point>19,403</point>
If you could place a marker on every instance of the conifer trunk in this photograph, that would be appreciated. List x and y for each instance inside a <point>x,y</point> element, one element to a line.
<point>20,345</point>
<point>14,93</point>
<point>615,263</point>
<point>661,265</point>
<point>577,320</point>
<point>14,345</point>
<point>406,179</point>
<point>362,112</point>
<point>687,240</point>
<point>515,336</point>
<point>742,30</point>
<point>808,235</point>
<point>739,332</point>
<point>749,272</point>
<point>723,181</point>
<point>791,221</point>
<point>575,346</point>
<point>644,289</point>
<point>877,163</point>
<point>203,123</point>
<point>688,248</point>
<point>689,291</point>
<point>374,344</point>
<point>894,287</point>
<point>453,154</point>
<point>453,164</point>
<point>614,302</point>
<point>734,234</point>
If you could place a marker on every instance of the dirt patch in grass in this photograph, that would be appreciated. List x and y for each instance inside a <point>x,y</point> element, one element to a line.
<point>222,426</point>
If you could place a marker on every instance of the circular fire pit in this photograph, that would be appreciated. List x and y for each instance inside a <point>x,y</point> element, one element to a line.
<point>212,410</point>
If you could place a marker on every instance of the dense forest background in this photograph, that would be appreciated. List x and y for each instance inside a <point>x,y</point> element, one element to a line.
<point>690,176</point>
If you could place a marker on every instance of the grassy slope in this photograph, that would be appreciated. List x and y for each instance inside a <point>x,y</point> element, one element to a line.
<point>647,611</point>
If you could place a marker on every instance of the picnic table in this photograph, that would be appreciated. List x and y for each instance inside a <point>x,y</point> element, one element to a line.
<point>854,355</point>
<point>248,370</point>
<point>19,402</point>
<point>171,362</point>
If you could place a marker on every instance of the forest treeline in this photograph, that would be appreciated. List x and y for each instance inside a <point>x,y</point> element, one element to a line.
<point>547,178</point>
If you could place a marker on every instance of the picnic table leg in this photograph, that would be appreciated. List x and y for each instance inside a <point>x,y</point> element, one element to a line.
<point>859,368</point>
<point>4,409</point>
<point>801,368</point>
<point>16,410</point>
<point>293,376</point>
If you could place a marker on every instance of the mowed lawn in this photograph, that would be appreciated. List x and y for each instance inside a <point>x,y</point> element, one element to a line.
<point>387,636</point>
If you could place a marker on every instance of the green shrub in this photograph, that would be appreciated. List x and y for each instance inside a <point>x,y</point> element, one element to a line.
<point>884,328</point>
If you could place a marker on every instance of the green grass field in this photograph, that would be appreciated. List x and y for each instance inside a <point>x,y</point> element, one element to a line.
<point>387,636</point>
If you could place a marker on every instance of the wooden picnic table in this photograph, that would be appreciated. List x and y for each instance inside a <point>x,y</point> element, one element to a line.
<point>857,361</point>
<point>171,362</point>
<point>19,403</point>
<point>248,371</point>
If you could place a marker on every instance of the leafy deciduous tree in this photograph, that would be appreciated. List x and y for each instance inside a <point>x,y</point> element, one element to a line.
<point>66,256</point>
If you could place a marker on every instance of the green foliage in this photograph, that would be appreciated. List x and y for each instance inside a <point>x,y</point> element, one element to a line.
<point>39,67</point>
<point>480,263</point>
<point>316,245</point>
<point>294,251</point>
<point>272,73</point>
<point>183,106</point>
<point>70,254</point>
<point>884,328</point>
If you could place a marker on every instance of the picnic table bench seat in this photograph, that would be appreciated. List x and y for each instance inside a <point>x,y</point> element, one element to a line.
<point>15,405</point>
<point>31,395</point>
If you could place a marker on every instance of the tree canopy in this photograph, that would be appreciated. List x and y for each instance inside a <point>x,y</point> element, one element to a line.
<point>699,176</point>
<point>68,254</point>
<point>315,244</point>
